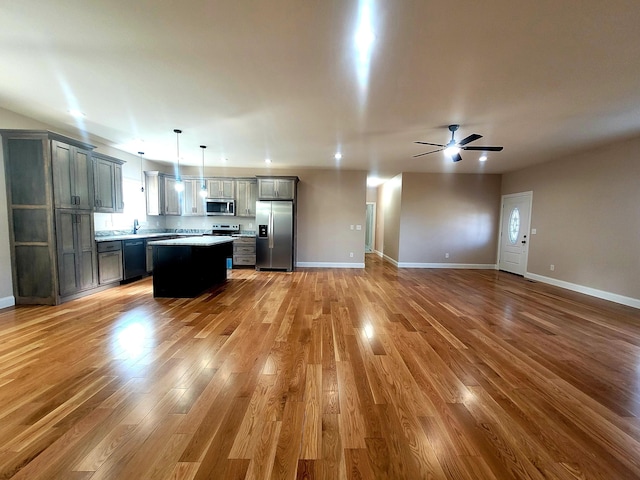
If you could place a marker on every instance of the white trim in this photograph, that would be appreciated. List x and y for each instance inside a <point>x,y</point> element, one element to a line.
<point>389,259</point>
<point>378,253</point>
<point>9,301</point>
<point>593,292</point>
<point>475,266</point>
<point>328,265</point>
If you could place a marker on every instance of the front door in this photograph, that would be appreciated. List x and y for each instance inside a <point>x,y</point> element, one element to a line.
<point>514,232</point>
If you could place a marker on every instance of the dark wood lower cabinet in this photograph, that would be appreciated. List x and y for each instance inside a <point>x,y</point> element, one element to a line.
<point>110,262</point>
<point>77,265</point>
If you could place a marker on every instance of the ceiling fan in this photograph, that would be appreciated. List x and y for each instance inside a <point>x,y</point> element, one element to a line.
<point>452,149</point>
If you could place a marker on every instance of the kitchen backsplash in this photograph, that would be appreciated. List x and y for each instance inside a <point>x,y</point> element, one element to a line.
<point>107,224</point>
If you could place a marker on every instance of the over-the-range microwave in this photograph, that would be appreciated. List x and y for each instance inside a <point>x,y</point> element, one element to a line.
<point>220,206</point>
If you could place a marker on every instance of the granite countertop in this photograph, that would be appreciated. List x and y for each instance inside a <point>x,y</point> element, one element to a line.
<point>110,238</point>
<point>202,241</point>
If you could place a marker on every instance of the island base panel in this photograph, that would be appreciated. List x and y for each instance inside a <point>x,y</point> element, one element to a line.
<point>187,271</point>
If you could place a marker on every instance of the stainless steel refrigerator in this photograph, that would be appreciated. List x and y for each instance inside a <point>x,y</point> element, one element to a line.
<point>275,238</point>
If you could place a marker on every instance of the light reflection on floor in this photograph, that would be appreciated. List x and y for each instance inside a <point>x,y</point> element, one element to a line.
<point>133,337</point>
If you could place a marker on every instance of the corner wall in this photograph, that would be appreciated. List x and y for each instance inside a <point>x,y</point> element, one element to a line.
<point>390,207</point>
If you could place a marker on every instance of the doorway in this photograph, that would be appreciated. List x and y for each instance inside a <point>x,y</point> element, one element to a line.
<point>515,223</point>
<point>370,227</point>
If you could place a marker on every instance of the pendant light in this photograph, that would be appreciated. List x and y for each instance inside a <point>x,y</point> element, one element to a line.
<point>179,184</point>
<point>203,189</point>
<point>141,174</point>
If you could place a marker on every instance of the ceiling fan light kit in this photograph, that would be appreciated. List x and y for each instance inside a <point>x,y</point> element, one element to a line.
<point>452,148</point>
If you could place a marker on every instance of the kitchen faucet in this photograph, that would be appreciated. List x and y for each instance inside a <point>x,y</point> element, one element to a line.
<point>136,226</point>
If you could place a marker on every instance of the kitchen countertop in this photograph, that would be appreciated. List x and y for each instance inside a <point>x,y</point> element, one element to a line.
<point>110,238</point>
<point>202,241</point>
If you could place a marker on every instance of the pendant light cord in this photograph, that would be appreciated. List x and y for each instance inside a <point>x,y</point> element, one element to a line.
<point>141,174</point>
<point>203,147</point>
<point>178,132</point>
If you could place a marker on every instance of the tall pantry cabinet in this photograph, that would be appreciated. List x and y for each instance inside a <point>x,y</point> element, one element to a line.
<point>50,197</point>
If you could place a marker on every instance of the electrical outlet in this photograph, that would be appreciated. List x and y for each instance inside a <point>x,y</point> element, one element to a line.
<point>446,255</point>
<point>351,227</point>
<point>552,267</point>
<point>351,254</point>
<point>358,227</point>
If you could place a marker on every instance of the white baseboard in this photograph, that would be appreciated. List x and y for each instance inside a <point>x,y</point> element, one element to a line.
<point>612,297</point>
<point>9,301</point>
<point>475,266</point>
<point>328,265</point>
<point>389,259</point>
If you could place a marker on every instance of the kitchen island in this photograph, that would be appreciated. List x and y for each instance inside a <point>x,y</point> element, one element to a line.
<point>186,267</point>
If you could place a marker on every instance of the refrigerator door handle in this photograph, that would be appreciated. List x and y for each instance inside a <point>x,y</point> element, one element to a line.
<point>271,229</point>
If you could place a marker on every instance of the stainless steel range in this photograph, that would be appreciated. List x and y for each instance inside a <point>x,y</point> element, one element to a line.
<point>224,229</point>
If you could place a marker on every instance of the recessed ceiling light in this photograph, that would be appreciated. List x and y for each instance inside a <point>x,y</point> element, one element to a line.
<point>76,113</point>
<point>337,156</point>
<point>483,158</point>
<point>267,160</point>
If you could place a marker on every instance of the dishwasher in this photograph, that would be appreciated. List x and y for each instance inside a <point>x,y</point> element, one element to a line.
<point>135,258</point>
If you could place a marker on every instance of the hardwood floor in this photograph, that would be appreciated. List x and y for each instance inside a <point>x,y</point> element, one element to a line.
<point>374,373</point>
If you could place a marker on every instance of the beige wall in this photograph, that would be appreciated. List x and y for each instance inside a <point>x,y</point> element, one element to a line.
<point>587,218</point>
<point>329,202</point>
<point>379,236</point>
<point>372,194</point>
<point>391,210</point>
<point>6,289</point>
<point>457,214</point>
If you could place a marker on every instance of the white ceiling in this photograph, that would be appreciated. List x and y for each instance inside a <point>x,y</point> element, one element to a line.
<point>284,78</point>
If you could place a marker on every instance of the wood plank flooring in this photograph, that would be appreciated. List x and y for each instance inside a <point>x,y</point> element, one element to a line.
<point>375,373</point>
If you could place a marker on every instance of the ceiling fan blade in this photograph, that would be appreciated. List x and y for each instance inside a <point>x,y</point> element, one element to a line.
<point>471,138</point>
<point>456,157</point>
<point>433,144</point>
<point>484,149</point>
<point>427,153</point>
